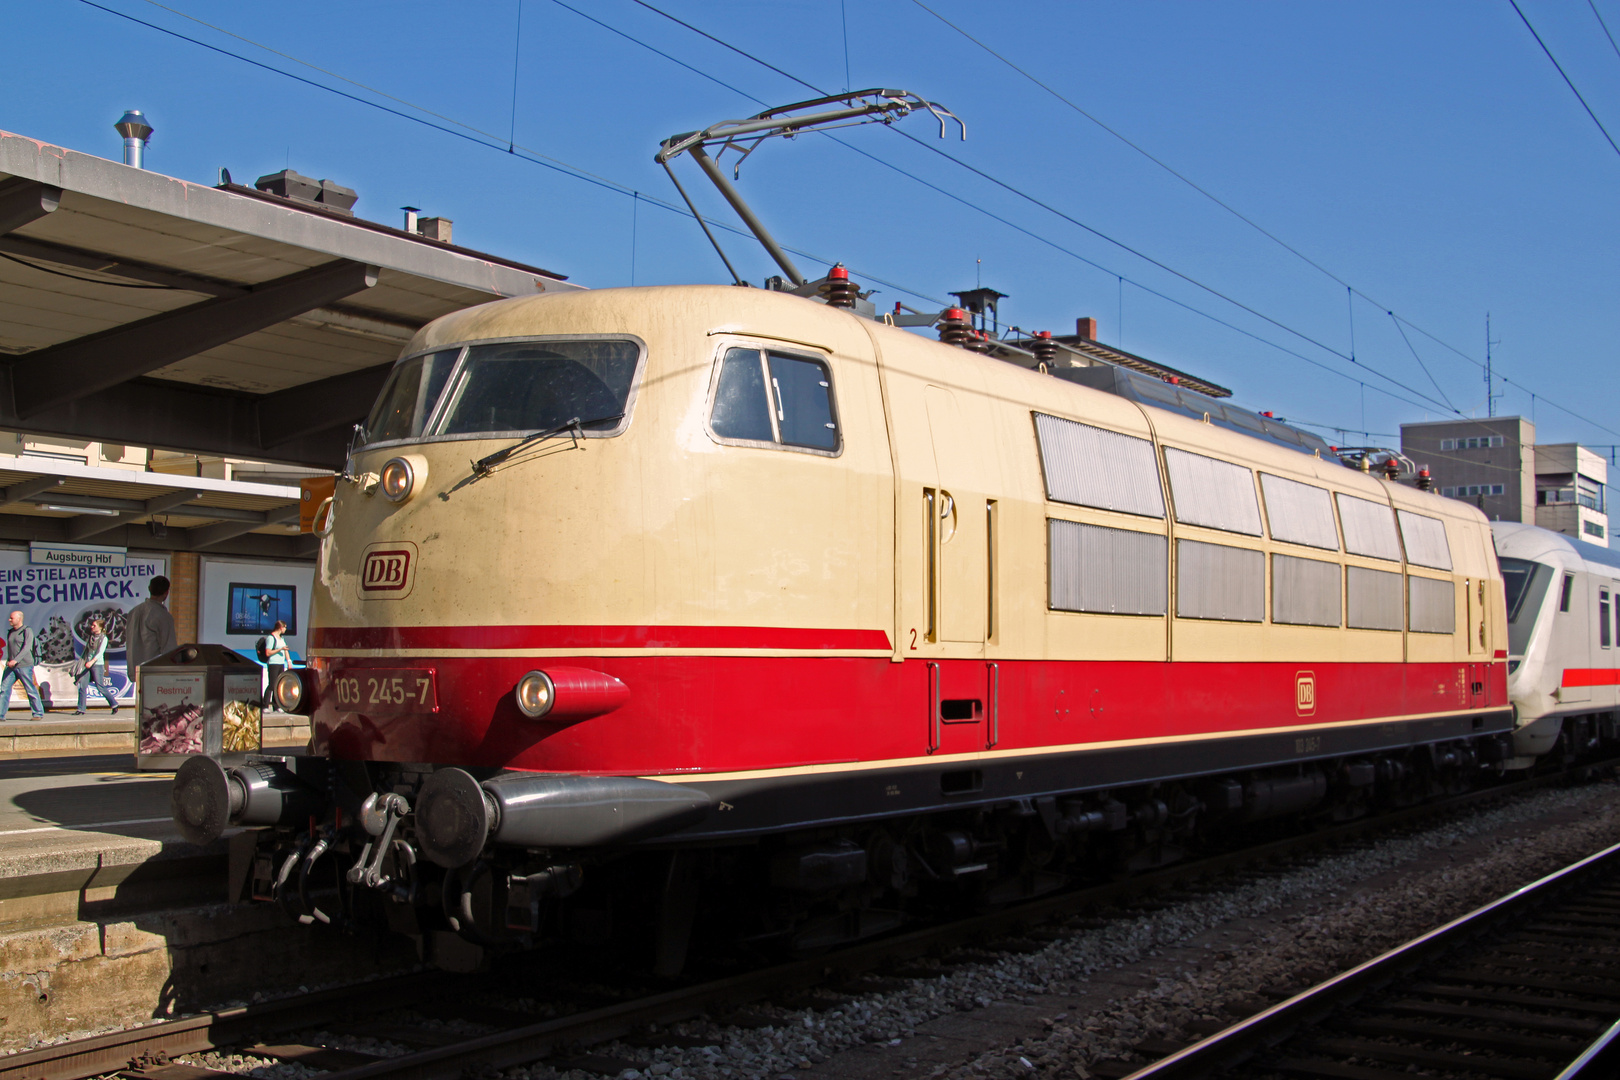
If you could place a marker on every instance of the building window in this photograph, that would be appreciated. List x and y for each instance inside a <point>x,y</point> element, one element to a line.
<point>1593,528</point>
<point>1560,492</point>
<point>1477,442</point>
<point>1468,491</point>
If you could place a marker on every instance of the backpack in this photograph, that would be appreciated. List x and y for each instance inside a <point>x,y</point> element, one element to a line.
<point>262,647</point>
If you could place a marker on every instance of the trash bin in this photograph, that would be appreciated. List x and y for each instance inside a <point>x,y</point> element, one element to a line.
<point>197,699</point>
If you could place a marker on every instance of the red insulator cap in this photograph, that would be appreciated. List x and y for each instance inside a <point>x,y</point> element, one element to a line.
<point>956,313</point>
<point>838,273</point>
<point>1043,333</point>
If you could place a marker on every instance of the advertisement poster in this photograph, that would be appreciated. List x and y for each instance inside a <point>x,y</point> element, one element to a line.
<point>174,711</point>
<point>244,733</point>
<point>58,597</point>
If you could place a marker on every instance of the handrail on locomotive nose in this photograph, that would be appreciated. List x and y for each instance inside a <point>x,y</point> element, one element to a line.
<point>860,107</point>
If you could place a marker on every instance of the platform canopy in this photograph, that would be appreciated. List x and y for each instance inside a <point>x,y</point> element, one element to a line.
<point>140,309</point>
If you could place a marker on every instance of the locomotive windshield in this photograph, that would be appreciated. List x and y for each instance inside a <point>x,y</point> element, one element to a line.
<point>507,388</point>
<point>1524,584</point>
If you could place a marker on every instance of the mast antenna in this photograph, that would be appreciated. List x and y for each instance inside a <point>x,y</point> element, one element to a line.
<point>744,136</point>
<point>1490,393</point>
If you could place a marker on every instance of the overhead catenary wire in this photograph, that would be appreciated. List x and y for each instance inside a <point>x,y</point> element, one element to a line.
<point>1612,44</point>
<point>487,139</point>
<point>1400,320</point>
<point>1044,206</point>
<point>450,125</point>
<point>1565,76</point>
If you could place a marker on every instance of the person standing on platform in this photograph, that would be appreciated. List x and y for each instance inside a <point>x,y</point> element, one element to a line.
<point>277,658</point>
<point>94,670</point>
<point>20,665</point>
<point>149,631</point>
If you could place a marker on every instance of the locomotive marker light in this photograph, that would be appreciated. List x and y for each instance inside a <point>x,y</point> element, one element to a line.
<point>569,694</point>
<point>402,477</point>
<point>535,694</point>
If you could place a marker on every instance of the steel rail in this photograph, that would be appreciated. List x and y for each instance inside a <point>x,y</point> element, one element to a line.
<point>207,1031</point>
<point>101,1054</point>
<point>1270,1027</point>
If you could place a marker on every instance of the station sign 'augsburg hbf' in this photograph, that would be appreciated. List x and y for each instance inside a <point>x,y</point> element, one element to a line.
<point>48,554</point>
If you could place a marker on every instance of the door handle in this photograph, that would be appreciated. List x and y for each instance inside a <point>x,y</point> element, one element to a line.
<point>993,721</point>
<point>933,706</point>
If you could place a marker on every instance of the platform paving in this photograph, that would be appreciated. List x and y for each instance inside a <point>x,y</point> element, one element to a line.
<point>107,916</point>
<point>60,733</point>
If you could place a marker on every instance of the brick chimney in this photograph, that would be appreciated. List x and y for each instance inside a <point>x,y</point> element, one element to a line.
<point>1086,328</point>
<point>434,228</point>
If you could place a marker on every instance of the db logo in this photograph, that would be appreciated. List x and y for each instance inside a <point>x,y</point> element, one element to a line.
<point>386,571</point>
<point>1305,693</point>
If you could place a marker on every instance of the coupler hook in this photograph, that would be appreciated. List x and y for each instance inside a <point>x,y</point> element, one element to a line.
<point>381,815</point>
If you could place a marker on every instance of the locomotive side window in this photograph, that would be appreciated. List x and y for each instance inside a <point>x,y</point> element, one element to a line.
<point>1214,581</point>
<point>1092,466</point>
<point>1603,618</point>
<point>1569,589</point>
<point>1106,571</point>
<point>406,402</point>
<point>1215,494</point>
<point>769,397</point>
<point>1369,529</point>
<point>528,386</point>
<point>1425,539</point>
<point>1524,587</point>
<point>1433,605</point>
<point>1372,599</point>
<point>740,408</point>
<point>1301,514</point>
<point>1305,592</point>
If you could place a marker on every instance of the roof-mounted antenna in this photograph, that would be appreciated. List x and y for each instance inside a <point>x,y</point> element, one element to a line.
<point>744,136</point>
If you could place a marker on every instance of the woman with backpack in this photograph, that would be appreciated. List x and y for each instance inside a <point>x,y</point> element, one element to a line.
<point>91,669</point>
<point>275,655</point>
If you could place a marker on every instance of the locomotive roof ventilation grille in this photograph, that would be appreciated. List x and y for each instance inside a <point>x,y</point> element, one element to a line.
<point>1143,390</point>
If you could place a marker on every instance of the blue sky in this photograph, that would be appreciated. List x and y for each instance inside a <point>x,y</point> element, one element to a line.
<point>1427,154</point>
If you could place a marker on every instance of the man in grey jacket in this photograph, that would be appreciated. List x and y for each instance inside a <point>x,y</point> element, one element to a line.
<point>149,630</point>
<point>20,665</point>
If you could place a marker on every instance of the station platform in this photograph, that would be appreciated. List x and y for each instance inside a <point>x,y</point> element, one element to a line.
<point>62,734</point>
<point>108,917</point>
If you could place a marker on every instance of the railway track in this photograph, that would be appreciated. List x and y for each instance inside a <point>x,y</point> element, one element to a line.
<point>148,1052</point>
<point>1523,988</point>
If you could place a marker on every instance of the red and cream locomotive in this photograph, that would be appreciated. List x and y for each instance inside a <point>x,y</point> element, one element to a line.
<point>629,590</point>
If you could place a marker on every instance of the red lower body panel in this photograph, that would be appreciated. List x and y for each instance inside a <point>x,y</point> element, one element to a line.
<point>716,714</point>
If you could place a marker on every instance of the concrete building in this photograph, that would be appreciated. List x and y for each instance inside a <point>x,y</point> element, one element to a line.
<point>1570,496</point>
<point>1490,463</point>
<point>1496,465</point>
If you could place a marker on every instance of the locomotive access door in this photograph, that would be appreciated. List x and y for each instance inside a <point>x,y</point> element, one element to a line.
<point>961,527</point>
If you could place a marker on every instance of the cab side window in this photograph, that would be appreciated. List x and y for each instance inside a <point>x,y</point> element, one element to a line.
<point>769,397</point>
<point>1569,589</point>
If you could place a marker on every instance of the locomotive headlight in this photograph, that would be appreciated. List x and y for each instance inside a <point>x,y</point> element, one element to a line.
<point>402,476</point>
<point>535,694</point>
<point>289,691</point>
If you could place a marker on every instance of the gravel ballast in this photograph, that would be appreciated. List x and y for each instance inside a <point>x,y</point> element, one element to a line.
<point>1157,975</point>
